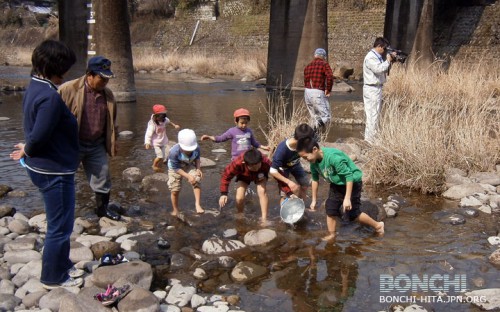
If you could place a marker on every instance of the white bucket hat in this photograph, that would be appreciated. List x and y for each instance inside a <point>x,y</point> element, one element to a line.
<point>187,140</point>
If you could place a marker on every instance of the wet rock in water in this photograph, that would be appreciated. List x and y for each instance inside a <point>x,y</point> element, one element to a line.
<point>4,118</point>
<point>6,210</point>
<point>180,295</point>
<point>463,190</point>
<point>478,282</point>
<point>230,233</point>
<point>485,209</point>
<point>455,219</point>
<point>219,150</point>
<point>470,201</point>
<point>226,262</point>
<point>200,274</point>
<point>206,163</point>
<point>391,213</point>
<point>136,272</point>
<point>132,174</point>
<point>376,212</point>
<point>134,211</point>
<point>155,183</point>
<point>491,178</point>
<point>492,296</point>
<point>139,299</point>
<point>494,258</point>
<point>179,261</point>
<point>162,243</point>
<point>233,299</point>
<point>469,212</point>
<point>246,271</point>
<point>392,205</point>
<point>126,134</point>
<point>217,246</point>
<point>4,189</point>
<point>494,240</point>
<point>17,193</point>
<point>259,237</point>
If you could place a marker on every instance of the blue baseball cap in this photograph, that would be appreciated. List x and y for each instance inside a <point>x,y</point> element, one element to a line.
<point>320,52</point>
<point>101,66</point>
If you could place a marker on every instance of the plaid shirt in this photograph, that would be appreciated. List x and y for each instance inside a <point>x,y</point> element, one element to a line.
<point>317,75</point>
<point>238,168</point>
<point>93,122</point>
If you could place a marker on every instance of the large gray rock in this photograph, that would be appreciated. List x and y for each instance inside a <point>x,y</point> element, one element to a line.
<point>456,179</point>
<point>84,302</point>
<point>463,190</point>
<point>492,296</point>
<point>180,295</point>
<point>20,243</point>
<point>259,237</point>
<point>132,174</point>
<point>89,240</point>
<point>135,272</point>
<point>8,302</point>
<point>470,201</point>
<point>52,300</point>
<point>139,300</point>
<point>79,252</point>
<point>155,183</point>
<point>32,269</point>
<point>217,246</point>
<point>7,287</point>
<point>491,178</point>
<point>21,256</point>
<point>246,271</point>
<point>33,285</point>
<point>197,300</point>
<point>101,248</point>
<point>207,163</point>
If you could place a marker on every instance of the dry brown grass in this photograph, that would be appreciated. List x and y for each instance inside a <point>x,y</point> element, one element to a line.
<point>251,65</point>
<point>435,119</point>
<point>285,112</point>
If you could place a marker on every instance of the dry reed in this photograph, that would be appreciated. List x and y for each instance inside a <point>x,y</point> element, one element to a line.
<point>433,120</point>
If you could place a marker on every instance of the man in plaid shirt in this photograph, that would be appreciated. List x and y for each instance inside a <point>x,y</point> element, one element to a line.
<point>318,83</point>
<point>249,167</point>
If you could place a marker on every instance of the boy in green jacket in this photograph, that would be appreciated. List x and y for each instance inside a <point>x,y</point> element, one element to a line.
<point>344,197</point>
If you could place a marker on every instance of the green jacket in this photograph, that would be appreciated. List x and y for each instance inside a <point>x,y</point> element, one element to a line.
<point>73,94</point>
<point>336,167</point>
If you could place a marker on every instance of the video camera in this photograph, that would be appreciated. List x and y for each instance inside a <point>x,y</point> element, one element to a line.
<point>400,55</point>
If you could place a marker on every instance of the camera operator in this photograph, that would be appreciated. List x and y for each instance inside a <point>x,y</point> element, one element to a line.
<point>375,70</point>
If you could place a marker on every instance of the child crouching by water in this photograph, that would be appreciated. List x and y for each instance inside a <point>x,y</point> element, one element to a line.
<point>184,161</point>
<point>156,135</point>
<point>344,196</point>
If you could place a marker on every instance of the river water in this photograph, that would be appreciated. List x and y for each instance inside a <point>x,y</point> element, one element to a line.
<point>304,273</point>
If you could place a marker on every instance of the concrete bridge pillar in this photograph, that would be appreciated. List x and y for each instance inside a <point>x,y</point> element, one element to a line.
<point>296,29</point>
<point>111,36</point>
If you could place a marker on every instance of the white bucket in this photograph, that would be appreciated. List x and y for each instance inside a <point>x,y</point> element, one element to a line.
<point>292,210</point>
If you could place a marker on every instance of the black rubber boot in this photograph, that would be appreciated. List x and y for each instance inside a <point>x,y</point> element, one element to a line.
<point>102,200</point>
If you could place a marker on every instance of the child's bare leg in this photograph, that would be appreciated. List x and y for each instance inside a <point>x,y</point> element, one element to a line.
<point>197,197</point>
<point>377,226</point>
<point>240,196</point>
<point>174,197</point>
<point>263,199</point>
<point>331,224</point>
<point>157,164</point>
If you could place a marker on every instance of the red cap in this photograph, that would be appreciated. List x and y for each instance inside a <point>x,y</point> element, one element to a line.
<point>241,112</point>
<point>159,109</point>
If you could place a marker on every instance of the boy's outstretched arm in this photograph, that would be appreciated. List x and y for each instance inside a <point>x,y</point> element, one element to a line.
<point>229,172</point>
<point>207,137</point>
<point>314,194</point>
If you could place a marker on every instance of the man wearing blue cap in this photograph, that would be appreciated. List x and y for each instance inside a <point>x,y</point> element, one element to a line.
<point>318,83</point>
<point>94,107</point>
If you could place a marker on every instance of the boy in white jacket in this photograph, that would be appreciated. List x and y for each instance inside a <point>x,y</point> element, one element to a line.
<point>156,134</point>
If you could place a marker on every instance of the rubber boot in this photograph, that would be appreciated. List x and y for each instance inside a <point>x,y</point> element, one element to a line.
<point>102,200</point>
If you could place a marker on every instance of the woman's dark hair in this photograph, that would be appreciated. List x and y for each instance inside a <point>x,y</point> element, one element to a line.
<point>252,157</point>
<point>303,131</point>
<point>52,58</point>
<point>306,144</point>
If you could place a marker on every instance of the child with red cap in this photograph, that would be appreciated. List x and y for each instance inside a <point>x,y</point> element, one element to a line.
<point>156,134</point>
<point>242,138</point>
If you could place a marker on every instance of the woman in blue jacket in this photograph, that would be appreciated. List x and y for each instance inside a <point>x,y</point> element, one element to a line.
<point>50,155</point>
